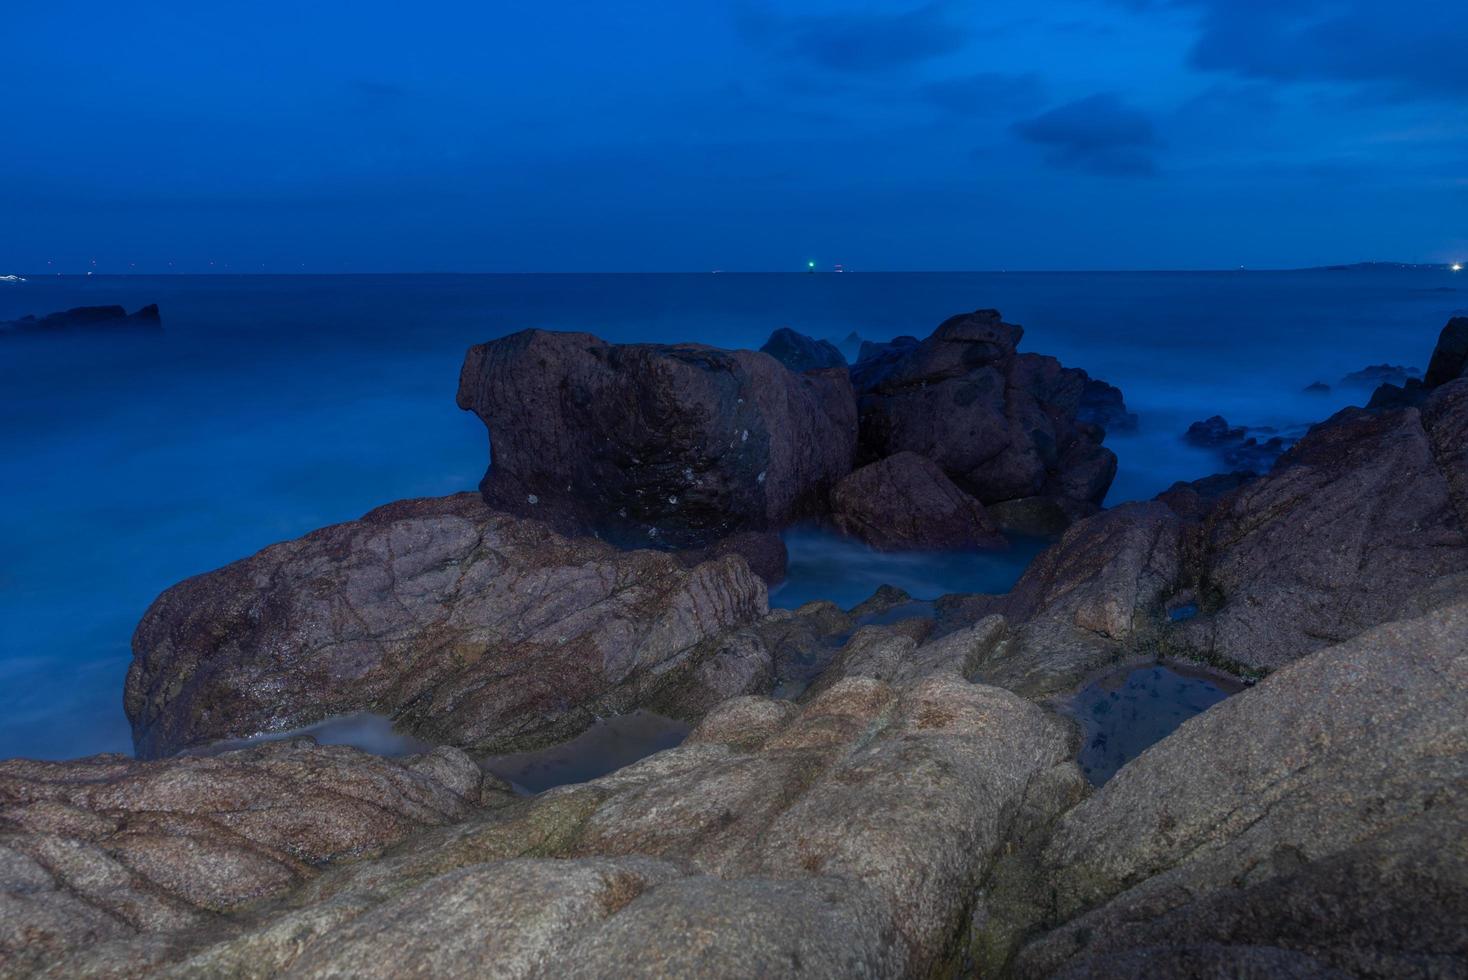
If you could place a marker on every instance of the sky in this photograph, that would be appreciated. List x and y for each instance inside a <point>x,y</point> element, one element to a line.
<point>691,135</point>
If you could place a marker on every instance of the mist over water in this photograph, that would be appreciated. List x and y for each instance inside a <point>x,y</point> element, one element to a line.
<point>271,406</point>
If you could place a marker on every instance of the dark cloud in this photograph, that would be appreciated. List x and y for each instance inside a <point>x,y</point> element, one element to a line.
<point>1404,50</point>
<point>1099,134</point>
<point>986,93</point>
<point>857,42</point>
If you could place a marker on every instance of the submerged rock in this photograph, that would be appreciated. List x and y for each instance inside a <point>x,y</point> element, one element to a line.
<point>801,353</point>
<point>464,625</point>
<point>85,318</point>
<point>108,848</point>
<point>1380,374</point>
<point>1310,825</point>
<point>906,503</point>
<point>661,446</point>
<point>1002,425</point>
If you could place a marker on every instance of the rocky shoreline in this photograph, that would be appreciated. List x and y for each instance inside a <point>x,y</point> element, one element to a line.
<point>883,791</point>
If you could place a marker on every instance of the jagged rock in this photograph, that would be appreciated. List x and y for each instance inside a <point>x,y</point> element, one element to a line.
<point>109,848</point>
<point>1193,500</point>
<point>801,353</point>
<point>85,318</point>
<point>1039,517</point>
<point>464,625</point>
<point>652,445</point>
<point>905,502</point>
<point>844,837</point>
<point>1313,822</point>
<point>1450,356</point>
<point>1002,425</point>
<point>1355,526</point>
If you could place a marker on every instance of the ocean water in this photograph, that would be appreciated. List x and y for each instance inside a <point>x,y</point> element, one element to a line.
<point>269,406</point>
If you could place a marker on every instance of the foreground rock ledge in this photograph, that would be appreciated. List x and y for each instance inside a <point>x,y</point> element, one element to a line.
<point>843,838</point>
<point>466,626</point>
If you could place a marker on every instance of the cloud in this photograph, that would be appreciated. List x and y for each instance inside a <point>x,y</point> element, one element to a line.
<point>1402,50</point>
<point>856,42</point>
<point>986,93</point>
<point>1099,134</point>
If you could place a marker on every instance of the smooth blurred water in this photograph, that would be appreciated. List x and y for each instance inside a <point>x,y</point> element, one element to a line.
<point>269,406</point>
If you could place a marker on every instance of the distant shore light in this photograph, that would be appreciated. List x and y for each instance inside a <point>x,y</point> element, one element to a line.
<point>1457,267</point>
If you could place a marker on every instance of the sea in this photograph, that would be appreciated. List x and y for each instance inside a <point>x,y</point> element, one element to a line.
<point>269,406</point>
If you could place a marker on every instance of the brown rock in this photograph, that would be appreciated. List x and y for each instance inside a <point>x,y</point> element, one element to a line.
<point>466,626</point>
<point>905,502</point>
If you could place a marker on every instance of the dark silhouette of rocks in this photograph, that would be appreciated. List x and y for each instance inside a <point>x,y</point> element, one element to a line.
<point>1001,424</point>
<point>662,446</point>
<point>85,318</point>
<point>801,353</point>
<point>1235,446</point>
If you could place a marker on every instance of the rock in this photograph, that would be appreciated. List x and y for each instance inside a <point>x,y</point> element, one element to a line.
<point>844,837</point>
<point>906,503</point>
<point>464,625</point>
<point>1235,446</point>
<point>873,356</point>
<point>1380,374</point>
<point>1317,388</point>
<point>765,552</point>
<point>1103,405</point>
<point>801,353</point>
<point>85,318</point>
<point>1389,396</point>
<point>109,848</point>
<point>1313,822</point>
<point>665,446</point>
<point>1039,517</point>
<point>1194,500</point>
<point>1450,356</point>
<point>1355,526</point>
<point>1002,425</point>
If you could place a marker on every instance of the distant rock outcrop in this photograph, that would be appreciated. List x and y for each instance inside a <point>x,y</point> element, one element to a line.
<point>1001,424</point>
<point>466,626</point>
<point>660,446</point>
<point>85,318</point>
<point>1236,446</point>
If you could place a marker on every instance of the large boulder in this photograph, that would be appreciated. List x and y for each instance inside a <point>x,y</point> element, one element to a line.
<point>1311,826</point>
<point>906,502</point>
<point>464,625</point>
<point>801,353</point>
<point>108,848</point>
<point>845,837</point>
<point>664,446</point>
<point>1002,425</point>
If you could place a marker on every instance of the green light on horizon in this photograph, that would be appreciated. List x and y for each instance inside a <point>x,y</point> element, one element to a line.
<point>810,265</point>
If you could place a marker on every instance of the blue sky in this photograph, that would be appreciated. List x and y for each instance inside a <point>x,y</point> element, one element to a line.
<point>731,134</point>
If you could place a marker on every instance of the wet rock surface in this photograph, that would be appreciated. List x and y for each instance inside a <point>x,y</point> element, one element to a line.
<point>650,445</point>
<point>464,625</point>
<point>1243,449</point>
<point>1001,424</point>
<point>906,503</point>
